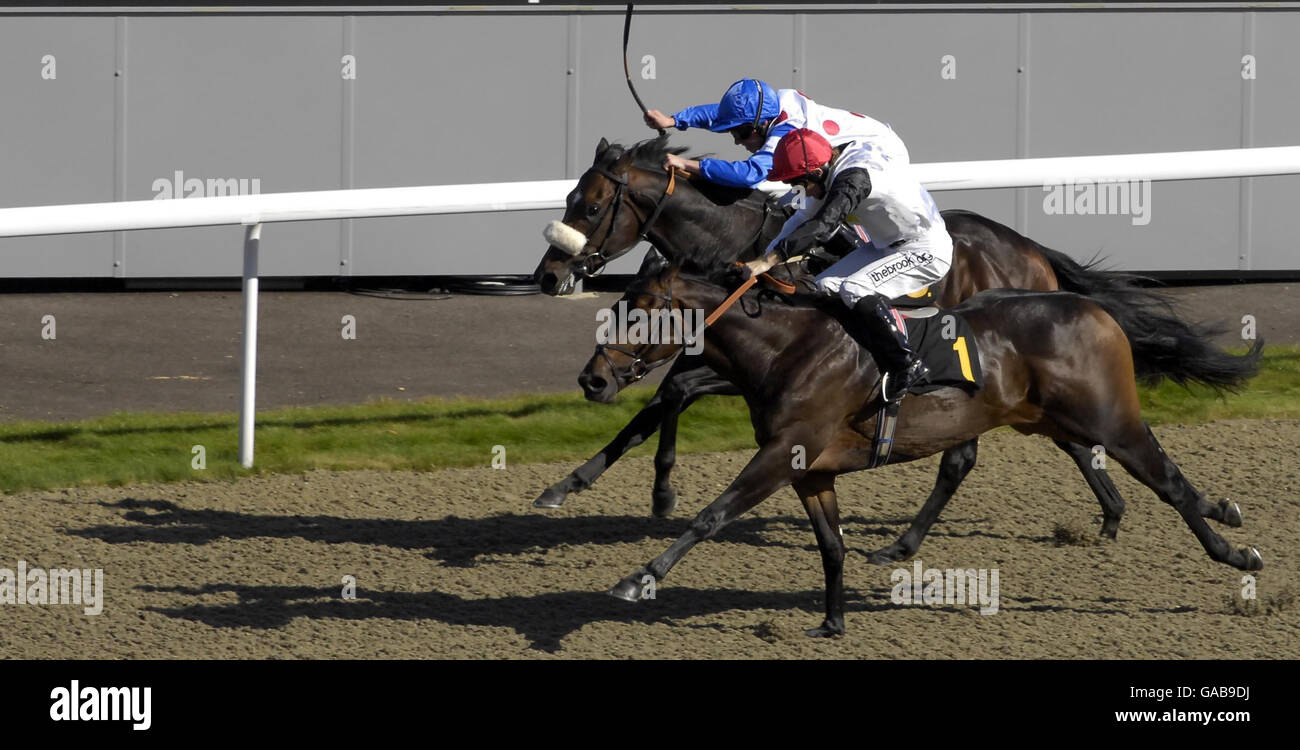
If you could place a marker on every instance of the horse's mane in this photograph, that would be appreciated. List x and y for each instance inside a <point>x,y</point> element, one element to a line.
<point>649,155</point>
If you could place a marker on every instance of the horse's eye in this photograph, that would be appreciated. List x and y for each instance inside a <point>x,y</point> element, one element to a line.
<point>593,209</point>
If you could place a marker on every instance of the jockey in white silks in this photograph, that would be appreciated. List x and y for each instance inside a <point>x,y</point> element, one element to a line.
<point>757,116</point>
<point>865,191</point>
<point>857,193</point>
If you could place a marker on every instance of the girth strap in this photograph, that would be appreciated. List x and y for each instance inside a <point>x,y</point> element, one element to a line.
<point>883,443</point>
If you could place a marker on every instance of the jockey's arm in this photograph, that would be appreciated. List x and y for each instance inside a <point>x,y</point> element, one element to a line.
<point>808,229</point>
<point>699,116</point>
<point>740,174</point>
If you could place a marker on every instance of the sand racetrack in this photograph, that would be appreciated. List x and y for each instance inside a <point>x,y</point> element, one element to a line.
<point>456,564</point>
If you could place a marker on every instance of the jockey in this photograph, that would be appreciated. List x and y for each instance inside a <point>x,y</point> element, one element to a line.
<point>865,192</point>
<point>749,110</point>
<point>757,116</point>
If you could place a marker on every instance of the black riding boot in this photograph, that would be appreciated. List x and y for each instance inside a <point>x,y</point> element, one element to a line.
<point>875,328</point>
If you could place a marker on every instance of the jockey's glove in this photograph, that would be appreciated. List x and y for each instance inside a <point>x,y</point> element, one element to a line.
<point>730,276</point>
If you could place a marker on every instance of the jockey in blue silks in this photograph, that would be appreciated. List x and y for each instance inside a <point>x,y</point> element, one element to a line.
<point>757,129</point>
<point>757,116</point>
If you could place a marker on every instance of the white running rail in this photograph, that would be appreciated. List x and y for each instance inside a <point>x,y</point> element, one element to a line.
<point>252,211</point>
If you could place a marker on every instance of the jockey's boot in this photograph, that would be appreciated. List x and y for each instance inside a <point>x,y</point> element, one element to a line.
<point>899,366</point>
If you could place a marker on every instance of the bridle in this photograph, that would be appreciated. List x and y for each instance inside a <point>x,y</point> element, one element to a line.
<point>639,368</point>
<point>588,268</point>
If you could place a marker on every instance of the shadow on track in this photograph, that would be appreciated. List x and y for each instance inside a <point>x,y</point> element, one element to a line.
<point>544,619</point>
<point>459,542</point>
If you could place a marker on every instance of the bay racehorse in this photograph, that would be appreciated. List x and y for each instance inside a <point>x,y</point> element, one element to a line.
<point>625,196</point>
<point>1056,364</point>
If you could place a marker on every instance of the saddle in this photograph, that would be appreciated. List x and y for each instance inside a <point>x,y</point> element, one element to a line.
<point>946,344</point>
<point>919,304</point>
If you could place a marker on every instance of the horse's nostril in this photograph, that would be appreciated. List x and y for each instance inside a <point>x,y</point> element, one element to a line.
<point>595,384</point>
<point>548,282</point>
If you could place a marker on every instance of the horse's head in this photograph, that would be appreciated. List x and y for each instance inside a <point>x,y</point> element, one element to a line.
<point>664,313</point>
<point>646,328</point>
<point>605,213</point>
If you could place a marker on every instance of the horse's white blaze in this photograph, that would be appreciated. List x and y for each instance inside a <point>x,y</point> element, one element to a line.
<point>565,237</point>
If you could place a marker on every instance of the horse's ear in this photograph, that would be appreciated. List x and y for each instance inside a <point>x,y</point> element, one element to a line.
<point>601,148</point>
<point>653,264</point>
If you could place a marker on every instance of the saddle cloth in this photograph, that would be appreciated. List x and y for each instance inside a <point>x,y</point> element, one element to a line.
<point>946,343</point>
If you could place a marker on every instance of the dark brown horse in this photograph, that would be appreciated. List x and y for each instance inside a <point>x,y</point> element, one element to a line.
<point>1056,364</point>
<point>701,225</point>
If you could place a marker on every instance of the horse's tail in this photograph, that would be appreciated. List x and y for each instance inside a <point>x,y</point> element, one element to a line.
<point>1164,345</point>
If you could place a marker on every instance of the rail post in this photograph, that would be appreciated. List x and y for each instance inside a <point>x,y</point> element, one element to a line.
<point>248,376</point>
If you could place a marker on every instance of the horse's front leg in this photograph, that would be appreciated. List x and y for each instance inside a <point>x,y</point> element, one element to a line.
<point>642,426</point>
<point>637,431</point>
<point>768,471</point>
<point>677,398</point>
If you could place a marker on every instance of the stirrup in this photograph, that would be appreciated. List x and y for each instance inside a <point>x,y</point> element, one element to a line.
<point>912,375</point>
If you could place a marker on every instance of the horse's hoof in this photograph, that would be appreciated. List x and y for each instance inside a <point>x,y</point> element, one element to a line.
<point>665,502</point>
<point>551,498</point>
<point>1110,529</point>
<point>894,553</point>
<point>633,588</point>
<point>1231,513</point>
<point>1254,560</point>
<point>827,629</point>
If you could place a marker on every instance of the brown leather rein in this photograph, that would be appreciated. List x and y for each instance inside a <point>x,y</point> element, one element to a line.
<point>768,279</point>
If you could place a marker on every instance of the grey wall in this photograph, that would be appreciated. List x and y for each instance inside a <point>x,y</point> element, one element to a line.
<point>477,96</point>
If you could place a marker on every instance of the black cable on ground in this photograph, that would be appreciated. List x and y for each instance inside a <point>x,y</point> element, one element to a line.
<point>400,294</point>
<point>493,286</point>
<point>440,287</point>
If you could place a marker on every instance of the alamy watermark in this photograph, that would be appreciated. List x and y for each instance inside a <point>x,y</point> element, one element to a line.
<point>51,586</point>
<point>180,186</point>
<point>922,585</point>
<point>76,703</point>
<point>660,326</point>
<point>1099,198</point>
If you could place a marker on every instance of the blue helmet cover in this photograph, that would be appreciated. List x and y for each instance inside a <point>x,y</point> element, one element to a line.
<point>739,105</point>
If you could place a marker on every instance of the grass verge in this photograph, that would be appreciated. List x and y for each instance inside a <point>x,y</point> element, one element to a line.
<point>128,448</point>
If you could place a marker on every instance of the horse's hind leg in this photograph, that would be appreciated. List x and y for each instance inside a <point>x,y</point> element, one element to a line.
<point>956,463</point>
<point>1112,504</point>
<point>1090,398</point>
<point>678,395</point>
<point>1140,453</point>
<point>817,491</point>
<point>1225,512</point>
